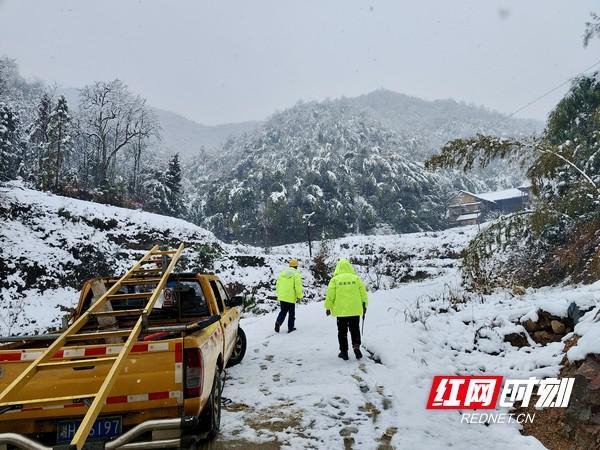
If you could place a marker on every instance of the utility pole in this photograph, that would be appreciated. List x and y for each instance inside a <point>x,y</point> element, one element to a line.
<point>306,218</point>
<point>309,241</point>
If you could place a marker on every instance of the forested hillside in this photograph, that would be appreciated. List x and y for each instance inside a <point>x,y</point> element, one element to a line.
<point>101,150</point>
<point>326,161</point>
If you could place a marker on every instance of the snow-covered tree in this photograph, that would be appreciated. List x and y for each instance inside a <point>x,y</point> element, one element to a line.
<point>111,120</point>
<point>38,137</point>
<point>137,149</point>
<point>21,100</point>
<point>156,194</point>
<point>59,144</point>
<point>173,184</point>
<point>10,142</point>
<point>592,29</point>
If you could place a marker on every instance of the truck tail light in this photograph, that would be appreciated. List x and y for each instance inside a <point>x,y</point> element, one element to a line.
<point>193,372</point>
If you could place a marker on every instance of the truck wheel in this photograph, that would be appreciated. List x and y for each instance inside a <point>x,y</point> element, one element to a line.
<point>239,350</point>
<point>210,417</point>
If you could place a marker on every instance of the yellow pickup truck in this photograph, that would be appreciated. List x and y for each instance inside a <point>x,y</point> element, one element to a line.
<point>168,392</point>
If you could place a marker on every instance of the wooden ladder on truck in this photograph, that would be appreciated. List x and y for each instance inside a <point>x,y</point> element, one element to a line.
<point>44,363</point>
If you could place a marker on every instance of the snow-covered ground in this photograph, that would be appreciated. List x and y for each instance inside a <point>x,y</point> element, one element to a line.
<point>292,388</point>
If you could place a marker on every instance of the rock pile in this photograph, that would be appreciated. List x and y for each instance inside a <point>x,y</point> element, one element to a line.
<point>548,327</point>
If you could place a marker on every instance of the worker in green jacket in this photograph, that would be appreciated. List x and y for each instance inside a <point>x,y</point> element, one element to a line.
<point>288,289</point>
<point>347,300</point>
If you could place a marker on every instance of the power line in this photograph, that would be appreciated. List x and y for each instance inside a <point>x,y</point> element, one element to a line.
<point>537,99</point>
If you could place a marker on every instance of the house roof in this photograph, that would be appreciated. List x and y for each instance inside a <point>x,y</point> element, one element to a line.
<point>460,205</point>
<point>495,196</point>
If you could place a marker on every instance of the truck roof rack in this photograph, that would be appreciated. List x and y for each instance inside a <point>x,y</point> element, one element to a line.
<point>46,362</point>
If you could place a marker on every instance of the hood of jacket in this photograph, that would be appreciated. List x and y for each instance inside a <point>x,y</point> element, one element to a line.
<point>289,272</point>
<point>343,266</point>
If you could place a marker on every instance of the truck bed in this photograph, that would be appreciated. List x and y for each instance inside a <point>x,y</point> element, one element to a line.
<point>170,365</point>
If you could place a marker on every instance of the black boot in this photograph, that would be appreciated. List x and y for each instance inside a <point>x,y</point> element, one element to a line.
<point>357,353</point>
<point>277,325</point>
<point>343,355</point>
<point>291,329</point>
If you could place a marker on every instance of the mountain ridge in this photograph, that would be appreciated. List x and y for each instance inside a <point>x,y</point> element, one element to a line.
<point>432,122</point>
<point>438,121</point>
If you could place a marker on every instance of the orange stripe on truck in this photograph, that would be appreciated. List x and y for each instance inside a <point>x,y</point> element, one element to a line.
<point>25,355</point>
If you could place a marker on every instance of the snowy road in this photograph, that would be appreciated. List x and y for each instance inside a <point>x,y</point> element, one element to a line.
<point>293,390</point>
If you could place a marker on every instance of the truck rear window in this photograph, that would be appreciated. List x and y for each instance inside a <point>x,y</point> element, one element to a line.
<point>180,299</point>
<point>191,298</point>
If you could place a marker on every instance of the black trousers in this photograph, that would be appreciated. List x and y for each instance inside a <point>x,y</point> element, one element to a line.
<point>288,309</point>
<point>348,323</point>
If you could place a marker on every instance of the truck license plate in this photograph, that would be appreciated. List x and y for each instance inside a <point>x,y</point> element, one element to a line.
<point>104,428</point>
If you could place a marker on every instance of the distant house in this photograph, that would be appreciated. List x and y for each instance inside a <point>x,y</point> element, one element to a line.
<point>467,208</point>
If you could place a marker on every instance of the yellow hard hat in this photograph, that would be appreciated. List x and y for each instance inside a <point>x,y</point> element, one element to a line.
<point>293,262</point>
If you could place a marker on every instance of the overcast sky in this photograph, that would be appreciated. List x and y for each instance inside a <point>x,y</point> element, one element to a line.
<point>228,61</point>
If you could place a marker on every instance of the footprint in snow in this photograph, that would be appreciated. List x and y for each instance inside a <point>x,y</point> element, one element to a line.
<point>386,400</point>
<point>265,391</point>
<point>276,377</point>
<point>386,439</point>
<point>338,400</point>
<point>370,410</point>
<point>269,358</point>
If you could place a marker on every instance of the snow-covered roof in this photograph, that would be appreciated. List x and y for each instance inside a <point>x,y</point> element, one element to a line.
<point>460,205</point>
<point>467,217</point>
<point>526,185</point>
<point>494,196</point>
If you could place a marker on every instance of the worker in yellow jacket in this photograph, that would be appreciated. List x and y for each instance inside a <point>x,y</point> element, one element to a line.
<point>347,300</point>
<point>288,289</point>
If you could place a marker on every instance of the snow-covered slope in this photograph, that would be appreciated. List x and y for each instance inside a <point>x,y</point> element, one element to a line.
<point>51,244</point>
<point>293,390</point>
